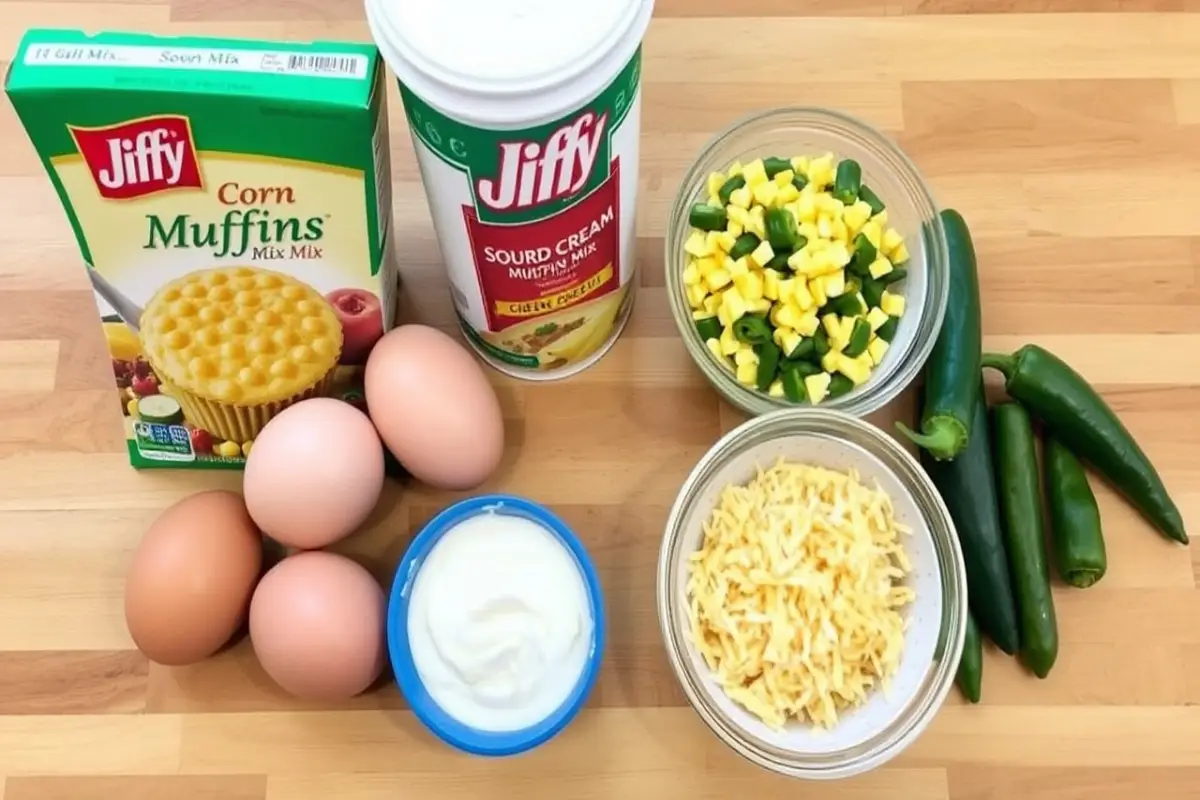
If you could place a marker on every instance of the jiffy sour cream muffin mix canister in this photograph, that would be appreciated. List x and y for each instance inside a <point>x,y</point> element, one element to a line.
<point>231,200</point>
<point>525,117</point>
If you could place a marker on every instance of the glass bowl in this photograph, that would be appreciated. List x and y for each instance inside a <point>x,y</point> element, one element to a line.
<point>875,732</point>
<point>788,132</point>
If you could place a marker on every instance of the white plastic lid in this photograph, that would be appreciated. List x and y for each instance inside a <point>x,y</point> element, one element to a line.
<point>471,58</point>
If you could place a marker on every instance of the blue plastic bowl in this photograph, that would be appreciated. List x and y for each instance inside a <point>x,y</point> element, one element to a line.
<point>449,730</point>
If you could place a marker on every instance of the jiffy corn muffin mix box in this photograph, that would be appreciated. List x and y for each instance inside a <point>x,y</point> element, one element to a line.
<point>232,204</point>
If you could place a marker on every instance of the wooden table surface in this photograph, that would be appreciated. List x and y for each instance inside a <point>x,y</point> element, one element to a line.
<point>1071,143</point>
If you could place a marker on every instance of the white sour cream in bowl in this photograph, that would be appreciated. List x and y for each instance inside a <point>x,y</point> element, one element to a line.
<point>496,625</point>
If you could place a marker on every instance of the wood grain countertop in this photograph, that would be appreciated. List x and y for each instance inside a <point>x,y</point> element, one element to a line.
<point>1068,134</point>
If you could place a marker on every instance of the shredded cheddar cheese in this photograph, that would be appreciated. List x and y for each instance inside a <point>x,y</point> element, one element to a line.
<point>794,597</point>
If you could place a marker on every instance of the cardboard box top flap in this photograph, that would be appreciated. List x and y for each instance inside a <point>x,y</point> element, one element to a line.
<point>329,73</point>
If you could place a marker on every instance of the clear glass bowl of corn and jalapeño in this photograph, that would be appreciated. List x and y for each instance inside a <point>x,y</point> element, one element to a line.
<point>806,263</point>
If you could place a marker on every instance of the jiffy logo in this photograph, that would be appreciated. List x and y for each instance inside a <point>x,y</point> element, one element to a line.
<point>534,173</point>
<point>140,157</point>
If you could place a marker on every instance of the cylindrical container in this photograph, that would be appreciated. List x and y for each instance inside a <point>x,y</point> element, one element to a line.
<point>406,664</point>
<point>874,733</point>
<point>525,116</point>
<point>789,132</point>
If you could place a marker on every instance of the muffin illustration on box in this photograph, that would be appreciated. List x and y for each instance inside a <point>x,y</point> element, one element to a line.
<point>236,345</point>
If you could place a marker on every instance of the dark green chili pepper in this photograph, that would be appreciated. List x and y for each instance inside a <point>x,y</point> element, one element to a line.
<point>970,666</point>
<point>887,331</point>
<point>793,385</point>
<point>779,263</point>
<point>781,229</point>
<point>847,183</point>
<point>708,328</point>
<point>1074,518</point>
<point>839,385</point>
<point>728,188</point>
<point>895,276</point>
<point>775,165</point>
<point>870,198</point>
<point>752,329</point>
<point>1024,531</point>
<point>706,217</point>
<point>1077,416</point>
<point>768,364</point>
<point>802,350</point>
<point>744,245</point>
<point>860,337</point>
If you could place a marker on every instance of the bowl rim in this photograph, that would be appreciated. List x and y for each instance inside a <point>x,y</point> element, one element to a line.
<point>932,230</point>
<point>432,716</point>
<point>910,724</point>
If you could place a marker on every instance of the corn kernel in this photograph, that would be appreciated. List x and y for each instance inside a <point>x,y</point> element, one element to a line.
<point>735,169</point>
<point>845,330</point>
<point>714,347</point>
<point>808,324</point>
<point>715,181</point>
<point>806,209</point>
<point>717,279</point>
<point>755,173</point>
<point>877,316</point>
<point>734,229</point>
<point>691,274</point>
<point>855,216</point>
<point>745,355</point>
<point>757,221</point>
<point>712,240</point>
<point>881,218</point>
<point>788,316</point>
<point>747,374</point>
<point>760,305</point>
<point>697,244</point>
<point>736,215</point>
<point>787,196</point>
<point>789,341</point>
<point>766,193</point>
<point>838,253</point>
<point>725,241</point>
<point>696,295</point>
<point>891,240</point>
<point>787,289</point>
<point>900,254</point>
<point>729,342</point>
<point>840,232</point>
<point>740,198</point>
<point>739,267</point>
<point>830,361</point>
<point>700,314</point>
<point>800,164</point>
<point>784,177</point>
<point>750,285</point>
<point>817,386</point>
<point>711,304</point>
<point>834,284</point>
<point>824,227</point>
<point>876,348</point>
<point>857,369</point>
<point>734,305</point>
<point>892,304</point>
<point>762,254</point>
<point>775,389</point>
<point>802,297</point>
<point>821,171</point>
<point>706,265</point>
<point>722,315</point>
<point>817,289</point>
<point>771,284</point>
<point>880,267</point>
<point>830,323</point>
<point>873,232</point>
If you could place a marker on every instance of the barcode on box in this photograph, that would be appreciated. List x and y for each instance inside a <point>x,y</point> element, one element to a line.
<point>350,66</point>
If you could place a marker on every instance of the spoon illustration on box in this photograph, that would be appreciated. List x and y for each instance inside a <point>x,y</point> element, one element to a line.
<point>129,311</point>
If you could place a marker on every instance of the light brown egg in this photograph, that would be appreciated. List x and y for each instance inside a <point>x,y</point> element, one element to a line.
<point>317,626</point>
<point>434,407</point>
<point>189,585</point>
<point>314,474</point>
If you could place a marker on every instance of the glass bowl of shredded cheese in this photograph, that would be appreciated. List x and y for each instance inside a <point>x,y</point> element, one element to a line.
<point>806,263</point>
<point>812,594</point>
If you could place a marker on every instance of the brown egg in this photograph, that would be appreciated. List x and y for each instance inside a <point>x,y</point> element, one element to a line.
<point>190,583</point>
<point>434,407</point>
<point>314,474</point>
<point>317,626</point>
